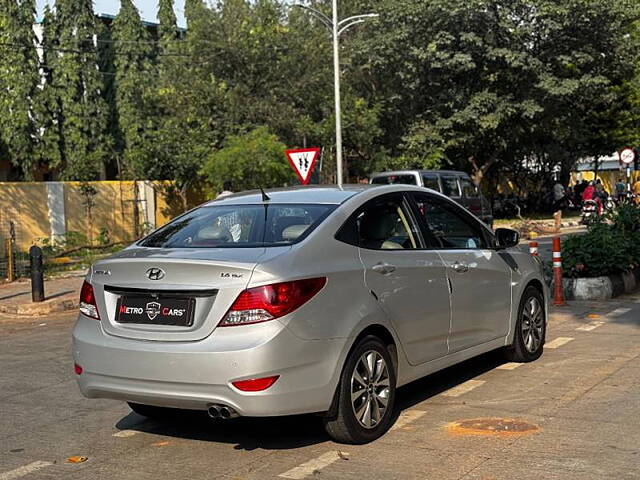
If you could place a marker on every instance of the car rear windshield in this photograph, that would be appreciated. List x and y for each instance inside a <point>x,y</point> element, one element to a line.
<point>236,226</point>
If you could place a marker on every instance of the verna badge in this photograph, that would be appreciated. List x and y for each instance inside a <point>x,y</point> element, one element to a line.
<point>155,274</point>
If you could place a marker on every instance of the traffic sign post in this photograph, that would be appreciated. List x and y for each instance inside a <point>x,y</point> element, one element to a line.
<point>303,161</point>
<point>627,157</point>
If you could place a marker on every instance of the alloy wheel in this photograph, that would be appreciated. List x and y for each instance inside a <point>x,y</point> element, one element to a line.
<point>370,388</point>
<point>532,325</point>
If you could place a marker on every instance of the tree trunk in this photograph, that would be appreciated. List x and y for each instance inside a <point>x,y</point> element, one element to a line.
<point>479,171</point>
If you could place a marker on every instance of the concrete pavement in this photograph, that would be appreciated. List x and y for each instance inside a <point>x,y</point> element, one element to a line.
<point>573,414</point>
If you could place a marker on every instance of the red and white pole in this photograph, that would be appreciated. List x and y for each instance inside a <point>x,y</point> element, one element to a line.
<point>558,292</point>
<point>533,248</point>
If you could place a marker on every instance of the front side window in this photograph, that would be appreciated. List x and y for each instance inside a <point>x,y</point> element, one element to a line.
<point>447,226</point>
<point>450,186</point>
<point>385,224</point>
<point>240,226</point>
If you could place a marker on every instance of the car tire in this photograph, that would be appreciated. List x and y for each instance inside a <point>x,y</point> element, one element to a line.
<point>530,328</point>
<point>151,411</point>
<point>365,418</point>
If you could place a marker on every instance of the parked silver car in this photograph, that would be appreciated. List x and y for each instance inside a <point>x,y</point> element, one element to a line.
<point>317,299</point>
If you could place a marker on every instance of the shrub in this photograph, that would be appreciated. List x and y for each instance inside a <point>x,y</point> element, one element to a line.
<point>611,245</point>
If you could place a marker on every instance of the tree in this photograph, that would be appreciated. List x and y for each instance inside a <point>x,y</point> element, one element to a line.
<point>47,102</point>
<point>19,80</point>
<point>133,80</point>
<point>474,84</point>
<point>250,161</point>
<point>77,80</point>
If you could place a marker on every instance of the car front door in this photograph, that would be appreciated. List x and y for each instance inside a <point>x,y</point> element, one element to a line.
<point>409,282</point>
<point>480,278</point>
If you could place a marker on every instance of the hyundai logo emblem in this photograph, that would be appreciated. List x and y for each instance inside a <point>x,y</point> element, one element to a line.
<point>155,274</point>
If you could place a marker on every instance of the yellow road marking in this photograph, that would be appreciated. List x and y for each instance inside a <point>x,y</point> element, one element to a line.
<point>26,470</point>
<point>508,366</point>
<point>463,388</point>
<point>590,326</point>
<point>314,465</point>
<point>407,417</point>
<point>558,342</point>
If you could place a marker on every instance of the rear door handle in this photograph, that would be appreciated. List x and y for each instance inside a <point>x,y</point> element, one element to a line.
<point>384,268</point>
<point>461,267</point>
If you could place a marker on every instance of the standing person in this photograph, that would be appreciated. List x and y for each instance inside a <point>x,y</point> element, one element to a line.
<point>226,189</point>
<point>621,190</point>
<point>558,196</point>
<point>579,190</point>
<point>636,191</point>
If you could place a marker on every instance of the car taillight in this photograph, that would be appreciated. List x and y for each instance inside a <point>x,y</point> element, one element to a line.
<point>255,384</point>
<point>88,305</point>
<point>261,304</point>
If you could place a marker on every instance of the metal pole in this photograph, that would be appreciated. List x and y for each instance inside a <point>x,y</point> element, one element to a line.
<point>336,78</point>
<point>11,269</point>
<point>37,274</point>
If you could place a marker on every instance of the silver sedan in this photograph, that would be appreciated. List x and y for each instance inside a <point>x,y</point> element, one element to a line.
<point>317,299</point>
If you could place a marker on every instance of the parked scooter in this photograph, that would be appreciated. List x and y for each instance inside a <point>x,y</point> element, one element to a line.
<point>589,211</point>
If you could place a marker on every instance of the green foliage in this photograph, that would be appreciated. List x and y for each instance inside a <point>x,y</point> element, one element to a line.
<point>477,85</point>
<point>611,245</point>
<point>19,81</point>
<point>76,86</point>
<point>249,161</point>
<point>132,83</point>
<point>482,84</point>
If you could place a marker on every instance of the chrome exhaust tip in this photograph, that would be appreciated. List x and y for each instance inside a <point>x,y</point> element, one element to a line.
<point>221,412</point>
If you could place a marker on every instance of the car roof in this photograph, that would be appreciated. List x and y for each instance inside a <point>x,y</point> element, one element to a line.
<point>412,171</point>
<point>323,194</point>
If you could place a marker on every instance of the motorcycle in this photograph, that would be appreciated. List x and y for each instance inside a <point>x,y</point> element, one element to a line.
<point>589,211</point>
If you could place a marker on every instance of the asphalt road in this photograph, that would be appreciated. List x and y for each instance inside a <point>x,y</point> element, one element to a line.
<point>573,414</point>
<point>545,243</point>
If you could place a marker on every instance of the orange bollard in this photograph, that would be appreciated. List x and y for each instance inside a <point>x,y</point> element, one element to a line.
<point>558,293</point>
<point>533,248</point>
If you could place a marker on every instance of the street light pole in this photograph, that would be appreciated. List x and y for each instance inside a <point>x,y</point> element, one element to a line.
<point>336,86</point>
<point>337,27</point>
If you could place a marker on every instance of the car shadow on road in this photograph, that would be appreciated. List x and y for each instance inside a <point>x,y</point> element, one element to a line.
<point>290,432</point>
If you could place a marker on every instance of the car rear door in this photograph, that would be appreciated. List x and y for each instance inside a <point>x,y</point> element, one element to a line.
<point>409,282</point>
<point>480,279</point>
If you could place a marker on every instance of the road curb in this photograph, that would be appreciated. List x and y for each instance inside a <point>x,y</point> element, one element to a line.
<point>601,288</point>
<point>43,308</point>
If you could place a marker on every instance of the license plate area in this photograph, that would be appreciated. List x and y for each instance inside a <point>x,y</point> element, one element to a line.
<point>155,310</point>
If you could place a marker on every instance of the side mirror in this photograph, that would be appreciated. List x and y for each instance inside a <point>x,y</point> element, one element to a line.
<point>506,238</point>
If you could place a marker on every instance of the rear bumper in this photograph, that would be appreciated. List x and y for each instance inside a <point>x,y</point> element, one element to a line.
<point>194,375</point>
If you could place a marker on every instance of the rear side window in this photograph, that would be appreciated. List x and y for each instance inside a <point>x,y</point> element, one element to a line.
<point>240,226</point>
<point>431,182</point>
<point>450,186</point>
<point>395,179</point>
<point>469,190</point>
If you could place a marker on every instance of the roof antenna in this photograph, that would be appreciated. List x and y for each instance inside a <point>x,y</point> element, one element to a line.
<point>265,197</point>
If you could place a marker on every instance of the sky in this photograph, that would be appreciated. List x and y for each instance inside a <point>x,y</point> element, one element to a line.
<point>148,8</point>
